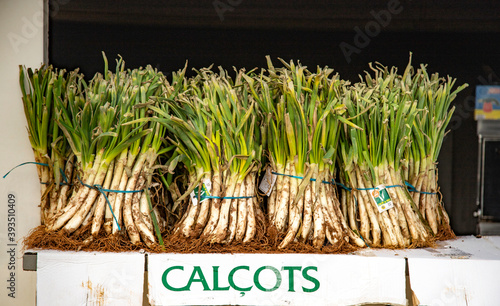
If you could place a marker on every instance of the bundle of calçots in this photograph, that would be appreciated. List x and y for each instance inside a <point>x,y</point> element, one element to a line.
<point>304,115</point>
<point>39,89</point>
<point>342,164</point>
<point>214,126</point>
<point>403,119</point>
<point>434,96</point>
<point>372,157</point>
<point>94,122</point>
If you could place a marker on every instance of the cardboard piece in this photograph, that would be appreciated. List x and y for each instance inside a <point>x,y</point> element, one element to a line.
<point>266,279</point>
<point>493,240</point>
<point>465,271</point>
<point>85,278</point>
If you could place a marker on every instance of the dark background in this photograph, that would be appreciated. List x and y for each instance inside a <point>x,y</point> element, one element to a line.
<point>457,38</point>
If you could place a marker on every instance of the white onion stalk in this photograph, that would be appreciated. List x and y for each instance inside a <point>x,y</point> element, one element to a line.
<point>214,207</point>
<point>119,197</point>
<point>100,206</point>
<point>120,163</point>
<point>66,188</point>
<point>252,210</point>
<point>128,219</point>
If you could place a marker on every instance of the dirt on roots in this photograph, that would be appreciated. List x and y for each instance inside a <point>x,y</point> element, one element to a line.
<point>266,241</point>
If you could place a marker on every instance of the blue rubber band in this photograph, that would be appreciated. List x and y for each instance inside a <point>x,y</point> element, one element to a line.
<point>341,185</point>
<point>412,188</point>
<point>106,190</point>
<point>26,163</point>
<point>314,180</point>
<point>363,189</point>
<point>96,187</point>
<point>40,164</point>
<point>64,178</point>
<point>297,177</point>
<point>101,190</point>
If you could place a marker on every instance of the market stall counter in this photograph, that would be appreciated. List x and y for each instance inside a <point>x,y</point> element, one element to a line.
<point>463,271</point>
